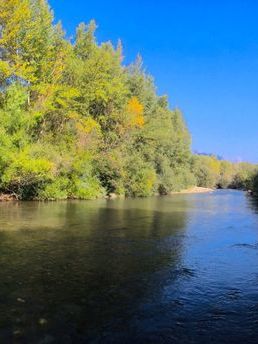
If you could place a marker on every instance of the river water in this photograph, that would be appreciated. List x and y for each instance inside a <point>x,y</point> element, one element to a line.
<point>174,269</point>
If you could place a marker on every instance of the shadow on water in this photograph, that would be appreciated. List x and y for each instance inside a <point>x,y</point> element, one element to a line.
<point>79,271</point>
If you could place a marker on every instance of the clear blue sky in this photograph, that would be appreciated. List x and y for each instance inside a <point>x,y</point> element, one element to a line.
<point>202,54</point>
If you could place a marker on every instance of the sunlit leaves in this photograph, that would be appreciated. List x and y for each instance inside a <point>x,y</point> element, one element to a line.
<point>135,112</point>
<point>74,121</point>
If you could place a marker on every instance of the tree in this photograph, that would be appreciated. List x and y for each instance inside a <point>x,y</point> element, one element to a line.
<point>75,122</point>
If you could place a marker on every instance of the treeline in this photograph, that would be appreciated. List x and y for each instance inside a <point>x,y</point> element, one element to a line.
<point>212,172</point>
<point>75,122</point>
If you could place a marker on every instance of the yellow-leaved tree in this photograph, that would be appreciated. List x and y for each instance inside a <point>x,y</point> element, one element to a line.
<point>135,112</point>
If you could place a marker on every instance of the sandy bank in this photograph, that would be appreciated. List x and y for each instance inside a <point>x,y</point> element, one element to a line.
<point>194,189</point>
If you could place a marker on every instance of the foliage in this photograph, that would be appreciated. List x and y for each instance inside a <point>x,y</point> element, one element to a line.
<point>213,172</point>
<point>75,122</point>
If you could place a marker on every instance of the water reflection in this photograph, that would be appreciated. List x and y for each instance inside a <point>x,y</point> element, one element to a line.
<point>75,270</point>
<point>180,269</point>
<point>253,202</point>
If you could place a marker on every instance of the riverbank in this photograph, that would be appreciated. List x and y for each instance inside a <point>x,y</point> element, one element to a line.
<point>8,197</point>
<point>192,190</point>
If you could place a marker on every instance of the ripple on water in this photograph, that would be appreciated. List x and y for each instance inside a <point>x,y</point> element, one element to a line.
<point>246,245</point>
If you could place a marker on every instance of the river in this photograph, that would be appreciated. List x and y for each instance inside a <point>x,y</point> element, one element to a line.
<point>173,269</point>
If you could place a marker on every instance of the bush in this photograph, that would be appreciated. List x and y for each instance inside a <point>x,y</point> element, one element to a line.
<point>58,189</point>
<point>25,175</point>
<point>140,180</point>
<point>89,188</point>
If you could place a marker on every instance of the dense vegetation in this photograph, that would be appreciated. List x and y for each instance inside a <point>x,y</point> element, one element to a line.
<point>213,172</point>
<point>75,122</point>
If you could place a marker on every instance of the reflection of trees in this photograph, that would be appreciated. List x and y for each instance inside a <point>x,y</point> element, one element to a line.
<point>253,202</point>
<point>85,265</point>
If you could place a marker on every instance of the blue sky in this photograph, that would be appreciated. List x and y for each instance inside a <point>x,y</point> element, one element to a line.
<point>202,54</point>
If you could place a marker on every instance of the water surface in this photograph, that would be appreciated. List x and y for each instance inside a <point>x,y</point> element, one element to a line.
<point>177,269</point>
